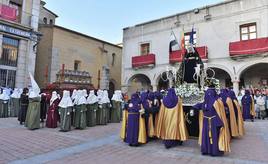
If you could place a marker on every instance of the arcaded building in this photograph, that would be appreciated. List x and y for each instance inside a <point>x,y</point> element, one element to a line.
<point>231,37</point>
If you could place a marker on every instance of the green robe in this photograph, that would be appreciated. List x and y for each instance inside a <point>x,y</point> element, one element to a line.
<point>102,114</point>
<point>14,105</point>
<point>115,112</point>
<point>80,116</point>
<point>108,112</point>
<point>91,114</point>
<point>65,118</point>
<point>3,108</point>
<point>33,114</point>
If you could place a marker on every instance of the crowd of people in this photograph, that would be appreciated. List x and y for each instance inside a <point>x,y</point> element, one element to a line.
<point>260,100</point>
<point>77,109</point>
<point>159,115</point>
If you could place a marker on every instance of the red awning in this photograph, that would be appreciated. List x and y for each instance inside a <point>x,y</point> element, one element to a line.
<point>248,47</point>
<point>8,13</point>
<point>144,60</point>
<point>177,56</point>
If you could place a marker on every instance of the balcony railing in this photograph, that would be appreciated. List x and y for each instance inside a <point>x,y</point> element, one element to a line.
<point>248,47</point>
<point>12,14</point>
<point>177,56</point>
<point>143,61</point>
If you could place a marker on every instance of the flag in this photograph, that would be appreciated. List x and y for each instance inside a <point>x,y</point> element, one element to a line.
<point>191,41</point>
<point>192,37</point>
<point>173,44</point>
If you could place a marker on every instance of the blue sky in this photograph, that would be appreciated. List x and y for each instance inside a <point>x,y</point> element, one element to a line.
<point>105,19</point>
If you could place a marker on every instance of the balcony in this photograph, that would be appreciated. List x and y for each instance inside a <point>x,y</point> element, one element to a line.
<point>12,15</point>
<point>8,13</point>
<point>143,61</point>
<point>248,47</point>
<point>177,56</point>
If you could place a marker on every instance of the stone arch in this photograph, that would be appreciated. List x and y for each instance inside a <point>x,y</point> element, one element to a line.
<point>253,74</point>
<point>139,82</point>
<point>250,64</point>
<point>161,84</point>
<point>225,69</point>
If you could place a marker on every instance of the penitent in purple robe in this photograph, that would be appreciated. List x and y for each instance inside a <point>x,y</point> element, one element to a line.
<point>170,101</point>
<point>211,124</point>
<point>133,120</point>
<point>246,105</point>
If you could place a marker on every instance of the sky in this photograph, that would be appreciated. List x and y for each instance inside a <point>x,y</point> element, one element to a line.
<point>105,19</point>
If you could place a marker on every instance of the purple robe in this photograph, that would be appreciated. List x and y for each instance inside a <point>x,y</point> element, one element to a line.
<point>246,105</point>
<point>170,101</point>
<point>211,124</point>
<point>133,120</point>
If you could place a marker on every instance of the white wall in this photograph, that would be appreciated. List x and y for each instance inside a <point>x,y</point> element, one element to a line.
<point>216,34</point>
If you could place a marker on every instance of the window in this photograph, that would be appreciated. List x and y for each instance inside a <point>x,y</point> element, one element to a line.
<point>77,65</point>
<point>248,31</point>
<point>9,54</point>
<point>113,59</point>
<point>51,22</point>
<point>45,20</point>
<point>145,48</point>
<point>187,39</point>
<point>7,78</point>
<point>18,7</point>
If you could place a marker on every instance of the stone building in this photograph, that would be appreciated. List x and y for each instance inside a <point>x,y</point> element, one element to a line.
<point>78,53</point>
<point>231,37</point>
<point>18,40</point>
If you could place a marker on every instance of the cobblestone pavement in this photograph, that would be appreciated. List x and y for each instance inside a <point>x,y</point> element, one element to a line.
<point>101,145</point>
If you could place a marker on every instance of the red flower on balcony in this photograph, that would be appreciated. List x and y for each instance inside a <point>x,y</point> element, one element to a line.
<point>144,60</point>
<point>248,47</point>
<point>8,13</point>
<point>177,56</point>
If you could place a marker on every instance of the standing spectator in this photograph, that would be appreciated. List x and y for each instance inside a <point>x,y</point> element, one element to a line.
<point>266,102</point>
<point>261,106</point>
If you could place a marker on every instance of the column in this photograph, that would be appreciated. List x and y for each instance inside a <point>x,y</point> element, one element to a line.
<point>236,86</point>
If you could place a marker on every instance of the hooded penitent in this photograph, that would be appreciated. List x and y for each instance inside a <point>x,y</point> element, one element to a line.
<point>104,111</point>
<point>33,114</point>
<point>52,114</point>
<point>74,94</point>
<point>92,107</point>
<point>24,102</point>
<point>135,133</point>
<point>4,99</point>
<point>248,106</point>
<point>214,133</point>
<point>171,125</point>
<point>80,110</point>
<point>65,110</point>
<point>239,115</point>
<point>230,112</point>
<point>15,103</point>
<point>117,99</point>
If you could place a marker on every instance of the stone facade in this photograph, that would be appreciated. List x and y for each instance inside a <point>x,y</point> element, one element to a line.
<point>216,27</point>
<point>63,46</point>
<point>24,29</point>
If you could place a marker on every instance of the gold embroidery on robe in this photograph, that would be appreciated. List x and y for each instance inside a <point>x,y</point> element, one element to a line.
<point>240,121</point>
<point>124,125</point>
<point>151,129</point>
<point>252,108</point>
<point>171,123</point>
<point>224,137</point>
<point>201,118</point>
<point>142,131</point>
<point>233,119</point>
